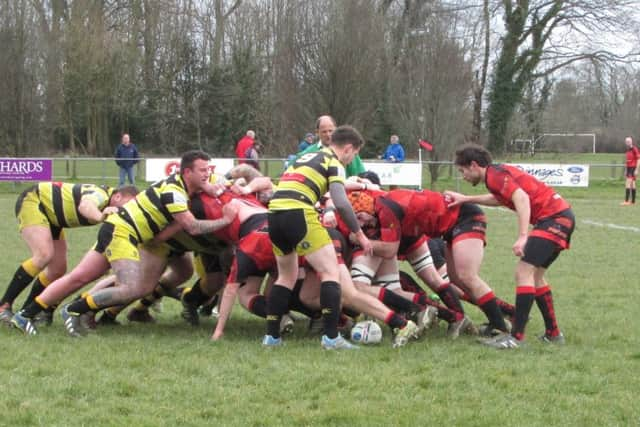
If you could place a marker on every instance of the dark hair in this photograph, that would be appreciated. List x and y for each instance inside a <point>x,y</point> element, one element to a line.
<point>371,176</point>
<point>345,135</point>
<point>127,190</point>
<point>473,153</point>
<point>321,117</point>
<point>190,157</point>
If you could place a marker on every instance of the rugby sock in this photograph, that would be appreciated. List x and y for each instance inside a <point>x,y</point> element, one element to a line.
<point>449,297</point>
<point>277,306</point>
<point>21,279</point>
<point>350,312</point>
<point>633,195</point>
<point>489,307</point>
<point>394,320</point>
<point>524,300</point>
<point>449,315</point>
<point>420,299</point>
<point>330,306</point>
<point>258,305</point>
<point>506,308</point>
<point>544,300</point>
<point>393,300</point>
<point>83,305</point>
<point>36,289</point>
<point>627,193</point>
<point>34,307</point>
<point>146,302</point>
<point>195,296</point>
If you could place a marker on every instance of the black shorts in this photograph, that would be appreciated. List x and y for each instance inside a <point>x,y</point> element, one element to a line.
<point>630,172</point>
<point>296,230</point>
<point>540,252</point>
<point>471,224</point>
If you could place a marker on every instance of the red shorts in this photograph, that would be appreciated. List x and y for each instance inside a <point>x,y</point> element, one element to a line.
<point>253,257</point>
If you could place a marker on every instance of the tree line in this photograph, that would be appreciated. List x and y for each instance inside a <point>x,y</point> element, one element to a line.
<point>182,74</point>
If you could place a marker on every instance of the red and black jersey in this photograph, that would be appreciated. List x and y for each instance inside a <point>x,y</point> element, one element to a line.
<point>389,215</point>
<point>204,206</point>
<point>632,156</point>
<point>425,212</point>
<point>502,180</point>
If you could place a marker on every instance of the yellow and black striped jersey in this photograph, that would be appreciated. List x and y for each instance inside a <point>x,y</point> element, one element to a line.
<point>152,210</point>
<point>60,201</point>
<point>306,180</point>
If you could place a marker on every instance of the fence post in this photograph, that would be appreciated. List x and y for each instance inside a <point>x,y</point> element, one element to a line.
<point>613,169</point>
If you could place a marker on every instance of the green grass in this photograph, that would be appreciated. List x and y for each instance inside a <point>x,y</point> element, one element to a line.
<point>171,374</point>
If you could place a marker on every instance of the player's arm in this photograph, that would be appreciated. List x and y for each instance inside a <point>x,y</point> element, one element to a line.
<point>522,206</point>
<point>89,209</point>
<point>386,250</point>
<point>453,199</point>
<point>340,201</point>
<point>194,226</point>
<point>261,183</point>
<point>245,171</point>
<point>226,306</point>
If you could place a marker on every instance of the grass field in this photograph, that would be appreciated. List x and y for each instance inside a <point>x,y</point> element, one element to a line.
<point>170,374</point>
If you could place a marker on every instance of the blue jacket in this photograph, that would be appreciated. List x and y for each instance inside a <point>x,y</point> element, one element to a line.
<point>394,150</point>
<point>126,155</point>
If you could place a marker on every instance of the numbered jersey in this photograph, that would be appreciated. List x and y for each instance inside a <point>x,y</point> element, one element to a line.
<point>306,180</point>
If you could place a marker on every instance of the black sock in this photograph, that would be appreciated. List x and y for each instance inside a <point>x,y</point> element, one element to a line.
<point>21,280</point>
<point>277,305</point>
<point>195,296</point>
<point>489,307</point>
<point>627,193</point>
<point>544,300</point>
<point>258,306</point>
<point>633,195</point>
<point>330,303</point>
<point>525,295</point>
<point>79,307</point>
<point>506,308</point>
<point>36,289</point>
<point>395,301</point>
<point>449,297</point>
<point>394,320</point>
<point>32,309</point>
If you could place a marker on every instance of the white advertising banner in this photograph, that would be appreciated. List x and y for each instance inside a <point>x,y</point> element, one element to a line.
<point>557,175</point>
<point>406,173</point>
<point>157,169</point>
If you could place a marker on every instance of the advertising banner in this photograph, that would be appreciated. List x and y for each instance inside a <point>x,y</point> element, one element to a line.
<point>405,174</point>
<point>157,169</point>
<point>26,169</point>
<point>557,175</point>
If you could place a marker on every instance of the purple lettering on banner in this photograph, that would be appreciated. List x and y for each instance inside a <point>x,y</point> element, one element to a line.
<point>26,169</point>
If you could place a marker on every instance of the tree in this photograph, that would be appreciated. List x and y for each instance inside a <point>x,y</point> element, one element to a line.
<point>528,51</point>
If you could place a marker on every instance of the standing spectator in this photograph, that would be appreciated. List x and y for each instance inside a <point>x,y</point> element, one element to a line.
<point>126,158</point>
<point>306,142</point>
<point>394,152</point>
<point>245,148</point>
<point>631,172</point>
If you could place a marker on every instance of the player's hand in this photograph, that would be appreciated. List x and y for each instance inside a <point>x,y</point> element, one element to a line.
<point>518,246</point>
<point>216,335</point>
<point>329,219</point>
<point>364,243</point>
<point>109,210</point>
<point>451,198</point>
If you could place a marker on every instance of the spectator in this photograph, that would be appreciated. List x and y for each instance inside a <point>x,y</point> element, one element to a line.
<point>394,152</point>
<point>306,142</point>
<point>632,164</point>
<point>246,151</point>
<point>126,158</point>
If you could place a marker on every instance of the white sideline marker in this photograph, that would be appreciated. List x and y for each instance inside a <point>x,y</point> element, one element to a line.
<point>613,226</point>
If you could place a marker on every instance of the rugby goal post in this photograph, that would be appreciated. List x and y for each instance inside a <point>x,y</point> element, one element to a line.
<point>566,135</point>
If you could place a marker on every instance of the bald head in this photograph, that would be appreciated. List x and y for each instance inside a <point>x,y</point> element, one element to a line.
<point>325,125</point>
<point>251,134</point>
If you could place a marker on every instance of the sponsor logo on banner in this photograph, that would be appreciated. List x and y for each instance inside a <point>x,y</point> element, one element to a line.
<point>157,169</point>
<point>26,169</point>
<point>558,175</point>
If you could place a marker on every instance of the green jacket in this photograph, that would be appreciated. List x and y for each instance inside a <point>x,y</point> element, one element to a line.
<point>356,167</point>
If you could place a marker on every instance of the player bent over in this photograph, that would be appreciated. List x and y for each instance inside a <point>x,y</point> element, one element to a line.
<point>43,212</point>
<point>294,229</point>
<point>553,222</point>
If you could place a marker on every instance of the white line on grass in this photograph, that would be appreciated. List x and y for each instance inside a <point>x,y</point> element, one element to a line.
<point>609,225</point>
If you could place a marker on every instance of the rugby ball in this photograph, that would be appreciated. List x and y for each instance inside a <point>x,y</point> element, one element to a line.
<point>366,332</point>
